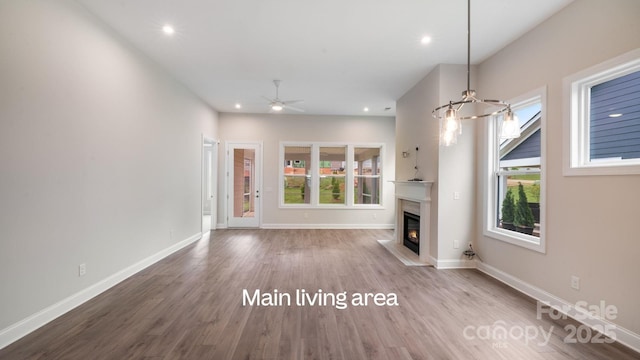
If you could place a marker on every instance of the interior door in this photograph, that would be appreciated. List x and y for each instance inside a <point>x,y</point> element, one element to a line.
<point>209,184</point>
<point>243,193</point>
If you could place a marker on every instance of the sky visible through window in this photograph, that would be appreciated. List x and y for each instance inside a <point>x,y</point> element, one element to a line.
<point>524,114</point>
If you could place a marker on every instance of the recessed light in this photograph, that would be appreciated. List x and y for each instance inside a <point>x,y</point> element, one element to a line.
<point>616,115</point>
<point>168,29</point>
<point>425,40</point>
<point>238,106</point>
<point>366,109</point>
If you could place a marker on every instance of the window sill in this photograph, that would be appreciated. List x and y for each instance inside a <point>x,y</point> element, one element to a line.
<point>600,169</point>
<point>331,207</point>
<point>523,240</point>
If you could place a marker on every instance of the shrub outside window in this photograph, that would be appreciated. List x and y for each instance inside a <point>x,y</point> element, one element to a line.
<point>515,200</point>
<point>297,174</point>
<point>330,175</point>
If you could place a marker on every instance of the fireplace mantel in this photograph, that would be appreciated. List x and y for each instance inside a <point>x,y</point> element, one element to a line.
<point>418,193</point>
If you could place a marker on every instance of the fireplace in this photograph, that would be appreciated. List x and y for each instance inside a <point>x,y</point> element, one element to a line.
<point>412,232</point>
<point>414,197</point>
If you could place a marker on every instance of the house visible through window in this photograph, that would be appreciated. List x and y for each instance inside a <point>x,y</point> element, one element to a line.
<point>515,193</point>
<point>614,126</point>
<point>297,176</point>
<point>331,175</point>
<point>519,172</point>
<point>604,118</point>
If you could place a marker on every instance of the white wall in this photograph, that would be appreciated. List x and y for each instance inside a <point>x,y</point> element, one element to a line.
<point>272,129</point>
<point>100,155</point>
<point>591,220</point>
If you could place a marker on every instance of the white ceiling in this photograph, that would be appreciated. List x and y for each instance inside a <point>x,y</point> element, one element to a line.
<point>338,55</point>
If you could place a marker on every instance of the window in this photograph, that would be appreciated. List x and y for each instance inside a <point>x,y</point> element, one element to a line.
<point>297,174</point>
<point>331,175</point>
<point>515,200</point>
<point>604,118</point>
<point>366,172</point>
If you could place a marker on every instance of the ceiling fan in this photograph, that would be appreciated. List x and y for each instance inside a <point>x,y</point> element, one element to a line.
<point>277,105</point>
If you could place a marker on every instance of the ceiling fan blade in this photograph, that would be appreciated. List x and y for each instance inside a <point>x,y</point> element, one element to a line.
<point>276,105</point>
<point>291,102</point>
<point>293,108</point>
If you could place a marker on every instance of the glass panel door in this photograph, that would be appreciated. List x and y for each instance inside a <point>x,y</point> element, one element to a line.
<point>243,193</point>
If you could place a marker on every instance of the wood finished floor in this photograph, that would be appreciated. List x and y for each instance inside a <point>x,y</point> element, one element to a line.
<point>189,306</point>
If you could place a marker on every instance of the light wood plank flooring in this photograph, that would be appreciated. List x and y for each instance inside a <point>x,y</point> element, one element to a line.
<point>189,306</point>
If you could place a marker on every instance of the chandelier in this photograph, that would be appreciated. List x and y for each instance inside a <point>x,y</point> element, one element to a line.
<point>449,114</point>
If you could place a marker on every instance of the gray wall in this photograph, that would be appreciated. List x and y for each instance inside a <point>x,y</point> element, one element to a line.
<point>99,154</point>
<point>416,127</point>
<point>452,169</point>
<point>591,220</point>
<point>272,129</point>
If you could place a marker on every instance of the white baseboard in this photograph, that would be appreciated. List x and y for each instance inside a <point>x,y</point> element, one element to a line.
<point>328,226</point>
<point>622,335</point>
<point>39,319</point>
<point>432,261</point>
<point>453,264</point>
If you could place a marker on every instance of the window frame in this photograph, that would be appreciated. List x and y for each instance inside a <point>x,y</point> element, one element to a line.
<point>493,171</point>
<point>373,176</point>
<point>577,89</point>
<point>281,169</point>
<point>320,176</point>
<point>315,175</point>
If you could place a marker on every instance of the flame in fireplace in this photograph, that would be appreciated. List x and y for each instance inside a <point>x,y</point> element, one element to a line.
<point>413,235</point>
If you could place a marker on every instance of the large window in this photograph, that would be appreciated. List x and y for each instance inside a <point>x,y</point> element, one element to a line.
<point>604,121</point>
<point>515,201</point>
<point>332,171</point>
<point>366,172</point>
<point>331,175</point>
<point>297,174</point>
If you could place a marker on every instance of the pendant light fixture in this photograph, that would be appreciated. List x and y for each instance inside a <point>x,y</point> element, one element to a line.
<point>449,114</point>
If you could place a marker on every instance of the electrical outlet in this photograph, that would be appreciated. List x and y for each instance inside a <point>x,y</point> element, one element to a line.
<point>82,269</point>
<point>575,282</point>
<point>456,244</point>
<point>456,195</point>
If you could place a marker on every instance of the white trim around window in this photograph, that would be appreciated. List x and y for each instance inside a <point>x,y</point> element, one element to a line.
<point>492,172</point>
<point>577,94</point>
<point>314,177</point>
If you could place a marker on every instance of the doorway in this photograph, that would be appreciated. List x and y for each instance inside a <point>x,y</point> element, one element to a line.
<point>244,171</point>
<point>209,184</point>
